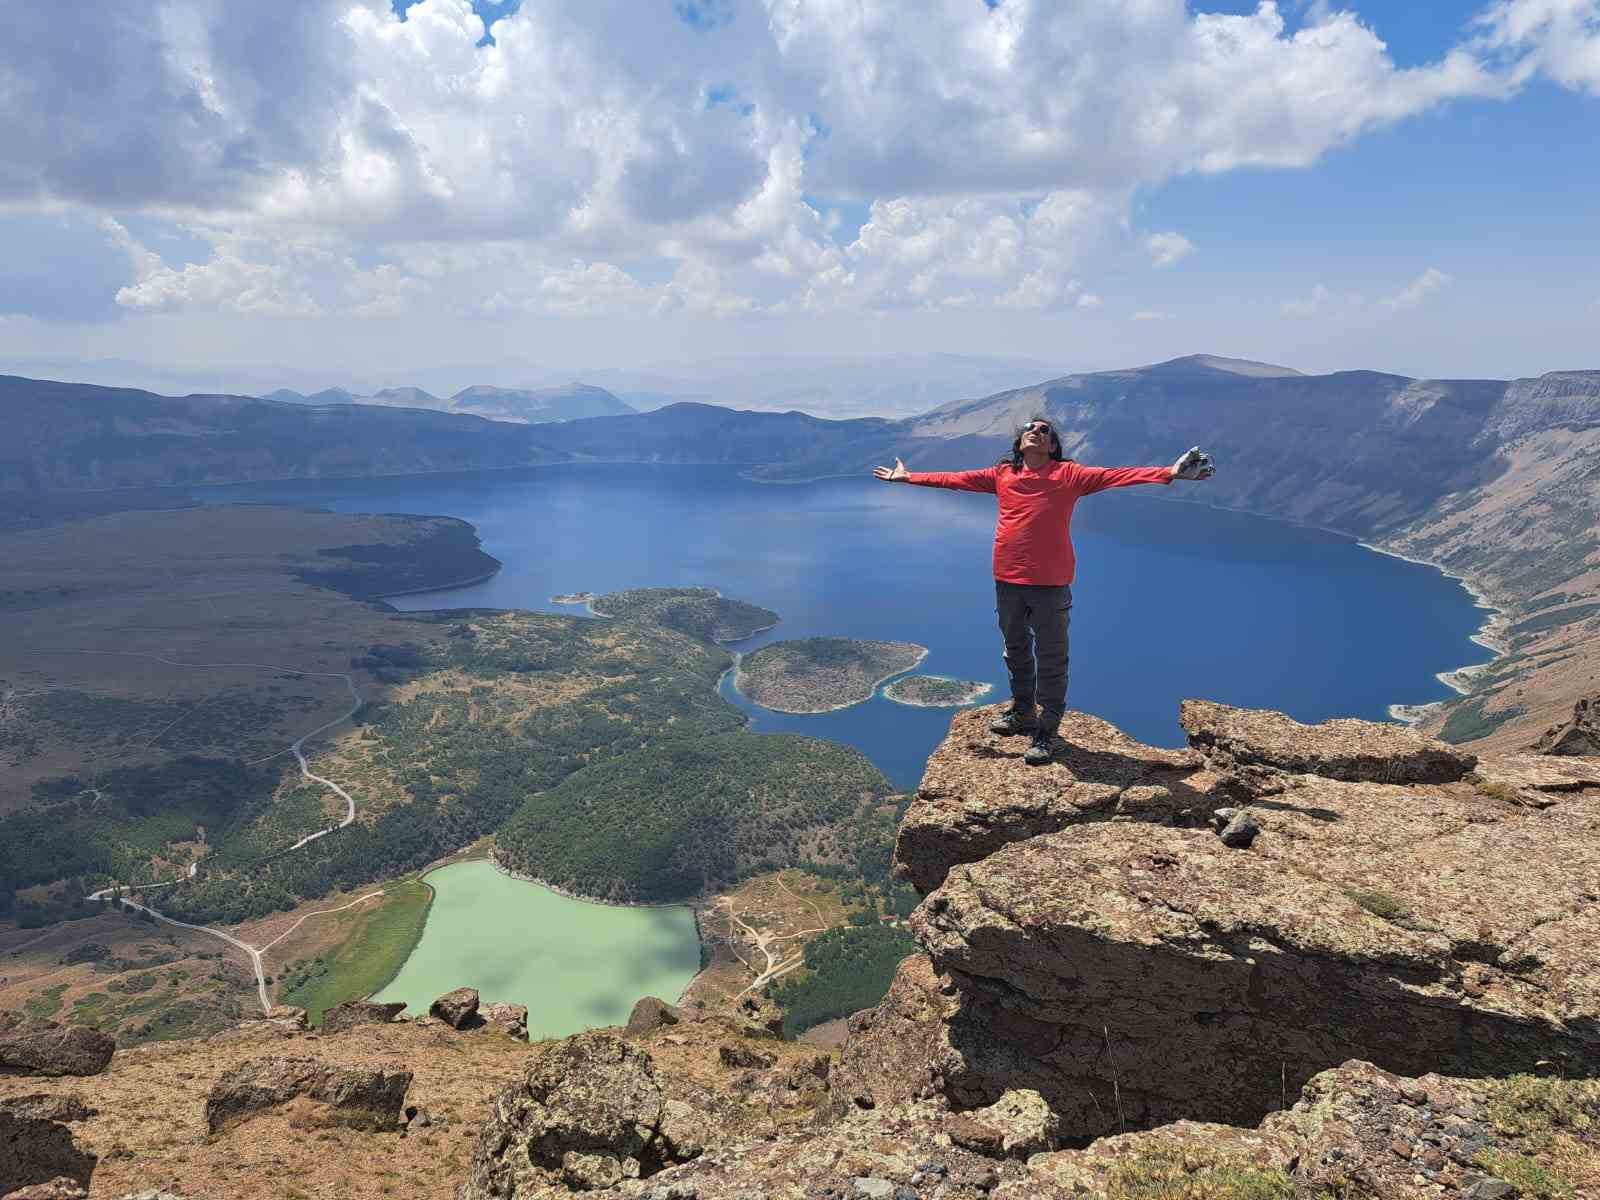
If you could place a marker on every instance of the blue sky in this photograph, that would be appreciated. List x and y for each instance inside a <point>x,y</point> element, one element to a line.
<point>370,185</point>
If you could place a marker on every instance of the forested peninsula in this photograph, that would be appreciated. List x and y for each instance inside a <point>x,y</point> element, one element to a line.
<point>819,674</point>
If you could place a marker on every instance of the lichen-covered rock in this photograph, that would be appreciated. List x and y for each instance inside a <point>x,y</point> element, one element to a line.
<point>33,1047</point>
<point>358,1097</point>
<point>1354,751</point>
<point>1017,1125</point>
<point>973,799</point>
<point>895,1051</point>
<point>457,1009</point>
<point>651,1013</point>
<point>45,1106</point>
<point>1580,735</point>
<point>740,1057</point>
<point>1153,969</point>
<point>586,1111</point>
<point>509,1019</point>
<point>289,1015</point>
<point>34,1150</point>
<point>1532,774</point>
<point>59,1188</point>
<point>359,1012</point>
<point>759,1016</point>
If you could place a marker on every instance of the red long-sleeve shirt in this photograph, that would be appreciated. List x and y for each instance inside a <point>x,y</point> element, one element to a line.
<point>1033,534</point>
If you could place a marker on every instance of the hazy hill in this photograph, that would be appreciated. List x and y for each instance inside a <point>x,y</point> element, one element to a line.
<point>526,406</point>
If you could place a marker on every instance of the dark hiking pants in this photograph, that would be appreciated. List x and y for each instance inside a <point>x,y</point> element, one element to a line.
<point>1033,621</point>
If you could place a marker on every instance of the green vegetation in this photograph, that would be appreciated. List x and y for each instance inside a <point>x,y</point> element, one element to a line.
<point>443,551</point>
<point>47,1003</point>
<point>1379,904</point>
<point>935,691</point>
<point>819,674</point>
<point>684,816</point>
<point>1467,721</point>
<point>1532,1180</point>
<point>848,968</point>
<point>698,612</point>
<point>367,960</point>
<point>1536,1107</point>
<point>1170,1172</point>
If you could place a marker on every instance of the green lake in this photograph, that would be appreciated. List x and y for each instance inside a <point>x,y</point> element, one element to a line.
<point>575,964</point>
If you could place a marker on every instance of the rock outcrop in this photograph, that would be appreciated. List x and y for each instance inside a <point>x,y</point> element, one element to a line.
<point>37,1150</point>
<point>1580,735</point>
<point>457,1009</point>
<point>356,1097</point>
<point>1134,972</point>
<point>587,1113</point>
<point>652,1013</point>
<point>47,1107</point>
<point>974,797</point>
<point>359,1012</point>
<point>1354,751</point>
<point>34,1047</point>
<point>509,1019</point>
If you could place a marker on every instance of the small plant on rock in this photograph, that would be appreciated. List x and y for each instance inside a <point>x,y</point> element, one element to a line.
<point>1380,904</point>
<point>1168,1173</point>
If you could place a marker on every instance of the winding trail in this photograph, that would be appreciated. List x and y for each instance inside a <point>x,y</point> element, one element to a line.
<point>297,748</point>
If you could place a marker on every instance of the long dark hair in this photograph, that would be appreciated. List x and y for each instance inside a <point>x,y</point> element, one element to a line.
<point>1014,459</point>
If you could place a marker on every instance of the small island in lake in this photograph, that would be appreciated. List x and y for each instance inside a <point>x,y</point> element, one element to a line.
<point>813,675</point>
<point>935,691</point>
<point>700,612</point>
<point>572,598</point>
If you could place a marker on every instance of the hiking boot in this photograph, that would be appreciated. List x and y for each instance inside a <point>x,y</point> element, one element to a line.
<point>1015,722</point>
<point>1039,750</point>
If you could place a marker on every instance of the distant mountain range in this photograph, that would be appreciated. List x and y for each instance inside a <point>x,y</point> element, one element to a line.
<point>527,406</point>
<point>1357,450</point>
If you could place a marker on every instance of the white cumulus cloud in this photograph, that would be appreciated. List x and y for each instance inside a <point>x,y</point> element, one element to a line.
<point>1417,292</point>
<point>1167,248</point>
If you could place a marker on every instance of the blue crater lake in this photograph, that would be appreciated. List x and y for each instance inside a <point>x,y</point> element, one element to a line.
<point>1172,599</point>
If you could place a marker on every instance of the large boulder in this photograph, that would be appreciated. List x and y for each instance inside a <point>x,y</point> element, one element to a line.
<point>895,1051</point>
<point>1354,751</point>
<point>1143,974</point>
<point>1579,736</point>
<point>509,1019</point>
<point>587,1113</point>
<point>973,799</point>
<point>1017,1125</point>
<point>36,1150</point>
<point>457,1009</point>
<point>34,1047</point>
<point>68,1106</point>
<point>353,1013</point>
<point>650,1013</point>
<point>357,1097</point>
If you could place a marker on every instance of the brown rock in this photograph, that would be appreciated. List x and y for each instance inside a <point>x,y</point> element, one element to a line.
<point>586,1109</point>
<point>288,1014</point>
<point>744,1057</point>
<point>33,1047</point>
<point>509,1019</point>
<point>59,1188</point>
<point>895,1052</point>
<point>1354,751</point>
<point>359,1012</point>
<point>759,1017</point>
<point>650,1013</point>
<point>359,1097</point>
<point>973,799</point>
<point>35,1151</point>
<point>1018,1124</point>
<point>1580,735</point>
<point>1539,772</point>
<point>48,1107</point>
<point>457,1009</point>
<point>1153,968</point>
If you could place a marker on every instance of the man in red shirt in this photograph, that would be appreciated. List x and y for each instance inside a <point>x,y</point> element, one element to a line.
<point>1037,487</point>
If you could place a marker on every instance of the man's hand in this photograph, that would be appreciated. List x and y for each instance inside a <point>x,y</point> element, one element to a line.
<point>894,474</point>
<point>1195,464</point>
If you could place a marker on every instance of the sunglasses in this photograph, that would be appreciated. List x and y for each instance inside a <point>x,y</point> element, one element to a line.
<point>1036,427</point>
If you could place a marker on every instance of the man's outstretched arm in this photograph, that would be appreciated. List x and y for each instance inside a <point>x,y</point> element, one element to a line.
<point>960,481</point>
<point>1194,463</point>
